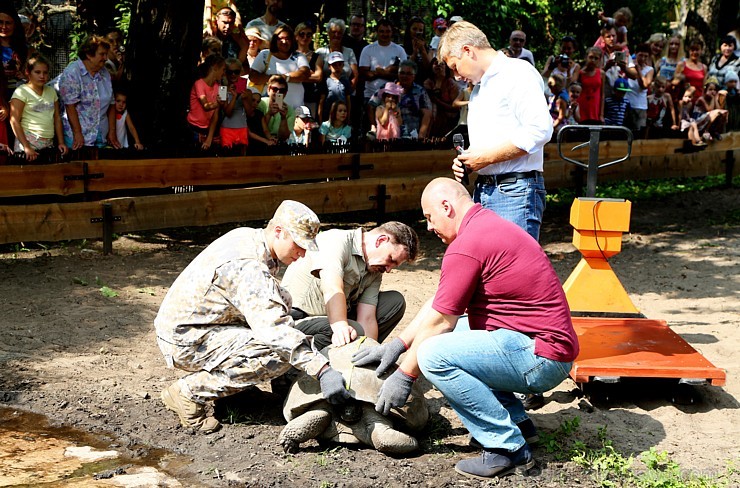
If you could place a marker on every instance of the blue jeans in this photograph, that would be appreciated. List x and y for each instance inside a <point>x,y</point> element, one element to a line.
<point>477,371</point>
<point>521,202</point>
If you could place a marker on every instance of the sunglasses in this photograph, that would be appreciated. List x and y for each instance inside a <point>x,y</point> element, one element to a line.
<point>517,39</point>
<point>278,89</point>
<point>304,34</point>
<point>233,71</point>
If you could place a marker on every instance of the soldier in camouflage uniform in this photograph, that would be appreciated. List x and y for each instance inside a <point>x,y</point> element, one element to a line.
<point>226,320</point>
<point>336,291</point>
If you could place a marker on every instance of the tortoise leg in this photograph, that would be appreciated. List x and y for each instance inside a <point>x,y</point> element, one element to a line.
<point>377,430</point>
<point>307,426</point>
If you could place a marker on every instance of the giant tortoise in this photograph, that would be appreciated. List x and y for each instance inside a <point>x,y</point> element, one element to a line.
<point>309,416</point>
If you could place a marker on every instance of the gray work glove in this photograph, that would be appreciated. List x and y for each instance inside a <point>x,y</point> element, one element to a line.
<point>332,386</point>
<point>394,392</point>
<point>386,355</point>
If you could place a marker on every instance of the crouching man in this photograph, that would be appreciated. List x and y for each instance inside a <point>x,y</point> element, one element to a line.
<point>517,336</point>
<point>226,320</point>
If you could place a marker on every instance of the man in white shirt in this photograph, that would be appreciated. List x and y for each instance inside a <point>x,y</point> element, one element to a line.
<point>517,39</point>
<point>268,22</point>
<point>508,125</point>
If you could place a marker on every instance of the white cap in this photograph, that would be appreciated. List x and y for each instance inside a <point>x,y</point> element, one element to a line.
<point>455,18</point>
<point>335,56</point>
<point>303,112</point>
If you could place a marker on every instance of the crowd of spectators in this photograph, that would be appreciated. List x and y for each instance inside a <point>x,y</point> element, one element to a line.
<point>263,85</point>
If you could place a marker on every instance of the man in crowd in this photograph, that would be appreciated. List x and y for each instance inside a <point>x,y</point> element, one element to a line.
<point>269,21</point>
<point>226,320</point>
<point>517,336</point>
<point>336,291</point>
<point>415,104</point>
<point>379,62</point>
<point>517,39</point>
<point>233,45</point>
<point>355,40</point>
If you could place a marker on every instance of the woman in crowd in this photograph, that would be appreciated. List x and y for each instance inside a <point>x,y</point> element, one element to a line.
<point>86,92</point>
<point>13,47</point>
<point>443,91</point>
<point>657,45</point>
<point>673,53</point>
<point>724,62</point>
<point>692,69</point>
<point>335,30</point>
<point>282,59</point>
<point>417,50</point>
<point>593,81</point>
<point>311,87</point>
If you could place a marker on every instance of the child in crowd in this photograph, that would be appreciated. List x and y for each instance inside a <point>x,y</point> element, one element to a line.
<point>301,133</point>
<point>34,112</point>
<point>558,101</point>
<point>637,96</point>
<point>621,20</point>
<point>388,115</point>
<point>336,129</point>
<point>616,106</point>
<point>729,99</point>
<point>574,93</point>
<point>710,118</point>
<point>336,88</point>
<point>688,123</point>
<point>461,102</point>
<point>234,131</point>
<point>258,141</point>
<point>204,103</point>
<point>440,27</point>
<point>119,118</point>
<point>660,107</point>
<point>592,79</point>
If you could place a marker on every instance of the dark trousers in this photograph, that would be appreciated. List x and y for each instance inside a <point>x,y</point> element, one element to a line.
<point>389,312</point>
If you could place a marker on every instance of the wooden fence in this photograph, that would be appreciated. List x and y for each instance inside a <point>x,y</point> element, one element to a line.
<point>328,183</point>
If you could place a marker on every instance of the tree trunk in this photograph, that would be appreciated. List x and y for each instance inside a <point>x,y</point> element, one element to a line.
<point>164,47</point>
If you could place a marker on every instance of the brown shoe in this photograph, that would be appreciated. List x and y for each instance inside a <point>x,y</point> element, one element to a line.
<point>191,414</point>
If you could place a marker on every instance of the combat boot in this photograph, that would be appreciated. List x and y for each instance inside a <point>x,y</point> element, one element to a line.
<point>192,414</point>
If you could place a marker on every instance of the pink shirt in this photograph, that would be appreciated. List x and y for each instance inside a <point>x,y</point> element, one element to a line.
<point>197,115</point>
<point>502,277</point>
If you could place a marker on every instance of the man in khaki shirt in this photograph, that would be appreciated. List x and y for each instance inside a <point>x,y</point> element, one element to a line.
<point>336,290</point>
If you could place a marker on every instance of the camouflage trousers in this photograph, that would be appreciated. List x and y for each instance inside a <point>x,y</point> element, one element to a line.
<point>389,312</point>
<point>226,361</point>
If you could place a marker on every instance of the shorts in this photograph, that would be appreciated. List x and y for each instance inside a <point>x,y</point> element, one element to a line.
<point>234,137</point>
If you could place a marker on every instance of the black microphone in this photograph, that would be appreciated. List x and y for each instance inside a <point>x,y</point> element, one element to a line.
<point>459,141</point>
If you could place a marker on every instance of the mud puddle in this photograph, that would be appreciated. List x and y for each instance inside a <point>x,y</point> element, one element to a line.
<point>32,453</point>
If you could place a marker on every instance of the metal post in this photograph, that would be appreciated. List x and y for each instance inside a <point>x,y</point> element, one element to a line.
<point>107,228</point>
<point>593,161</point>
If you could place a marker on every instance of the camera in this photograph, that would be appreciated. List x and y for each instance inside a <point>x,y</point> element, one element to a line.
<point>563,61</point>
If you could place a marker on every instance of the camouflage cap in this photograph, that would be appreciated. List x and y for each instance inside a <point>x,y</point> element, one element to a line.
<point>300,221</point>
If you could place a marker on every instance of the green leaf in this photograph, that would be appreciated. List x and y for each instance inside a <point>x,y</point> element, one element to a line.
<point>79,281</point>
<point>148,291</point>
<point>108,292</point>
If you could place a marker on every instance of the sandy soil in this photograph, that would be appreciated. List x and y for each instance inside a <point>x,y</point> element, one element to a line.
<point>90,361</point>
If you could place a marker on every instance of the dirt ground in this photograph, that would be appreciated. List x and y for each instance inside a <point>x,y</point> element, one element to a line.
<point>90,361</point>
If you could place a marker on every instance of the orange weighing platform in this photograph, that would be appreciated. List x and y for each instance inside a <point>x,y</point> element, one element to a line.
<point>616,341</point>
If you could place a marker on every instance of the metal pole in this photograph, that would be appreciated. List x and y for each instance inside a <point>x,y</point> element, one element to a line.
<point>593,161</point>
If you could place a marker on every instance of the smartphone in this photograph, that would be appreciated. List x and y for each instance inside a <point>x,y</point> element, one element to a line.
<point>279,99</point>
<point>222,91</point>
<point>619,56</point>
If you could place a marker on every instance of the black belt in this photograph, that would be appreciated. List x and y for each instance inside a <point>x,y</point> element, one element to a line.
<point>505,178</point>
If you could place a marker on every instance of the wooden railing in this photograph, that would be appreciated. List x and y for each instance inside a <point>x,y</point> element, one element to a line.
<point>328,183</point>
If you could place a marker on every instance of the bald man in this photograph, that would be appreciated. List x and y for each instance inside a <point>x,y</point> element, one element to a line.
<point>517,40</point>
<point>517,335</point>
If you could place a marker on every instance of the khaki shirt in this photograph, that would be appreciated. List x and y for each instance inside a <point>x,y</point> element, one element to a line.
<point>233,282</point>
<point>340,253</point>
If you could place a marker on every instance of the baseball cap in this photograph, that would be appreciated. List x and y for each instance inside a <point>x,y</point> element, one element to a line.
<point>455,18</point>
<point>301,223</point>
<point>622,85</point>
<point>303,112</point>
<point>335,56</point>
<point>731,76</point>
<point>440,23</point>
